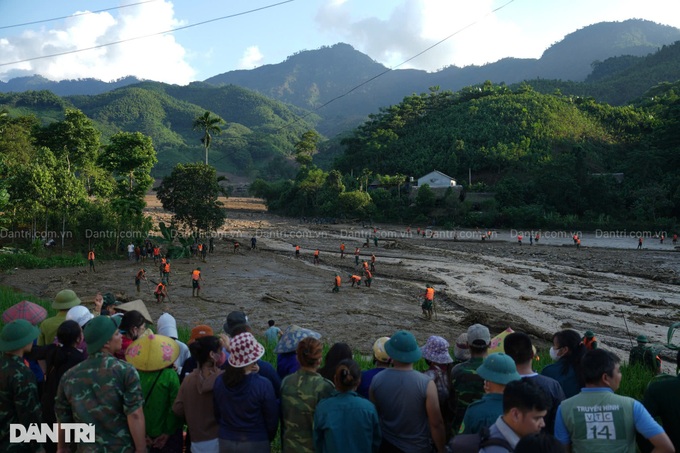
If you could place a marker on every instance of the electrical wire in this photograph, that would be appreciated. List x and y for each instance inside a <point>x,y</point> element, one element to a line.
<point>2,27</point>
<point>365,82</point>
<point>172,30</point>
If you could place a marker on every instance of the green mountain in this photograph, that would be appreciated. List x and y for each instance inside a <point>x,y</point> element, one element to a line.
<point>259,134</point>
<point>310,79</point>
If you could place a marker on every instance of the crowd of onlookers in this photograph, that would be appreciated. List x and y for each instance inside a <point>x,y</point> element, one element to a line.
<point>139,389</point>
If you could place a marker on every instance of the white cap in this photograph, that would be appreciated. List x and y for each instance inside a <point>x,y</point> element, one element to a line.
<point>167,325</point>
<point>79,314</point>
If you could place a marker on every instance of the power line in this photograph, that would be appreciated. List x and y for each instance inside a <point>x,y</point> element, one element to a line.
<point>365,82</point>
<point>75,15</point>
<point>172,30</point>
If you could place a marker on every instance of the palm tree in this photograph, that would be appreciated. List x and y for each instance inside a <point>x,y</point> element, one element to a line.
<point>209,125</point>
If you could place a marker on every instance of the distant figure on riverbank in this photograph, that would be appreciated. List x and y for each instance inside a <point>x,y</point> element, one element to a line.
<point>519,239</point>
<point>90,259</point>
<point>639,247</point>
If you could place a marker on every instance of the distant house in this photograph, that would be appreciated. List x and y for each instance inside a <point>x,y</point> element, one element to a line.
<point>436,180</point>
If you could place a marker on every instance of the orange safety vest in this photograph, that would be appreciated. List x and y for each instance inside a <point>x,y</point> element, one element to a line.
<point>200,247</point>
<point>342,247</point>
<point>195,275</point>
<point>297,248</point>
<point>365,264</point>
<point>588,343</point>
<point>316,253</point>
<point>355,278</point>
<point>156,251</point>
<point>338,280</point>
<point>159,289</point>
<point>163,260</point>
<point>166,268</point>
<point>90,255</point>
<point>429,294</point>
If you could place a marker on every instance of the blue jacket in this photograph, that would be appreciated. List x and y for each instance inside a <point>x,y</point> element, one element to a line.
<point>248,412</point>
<point>346,422</point>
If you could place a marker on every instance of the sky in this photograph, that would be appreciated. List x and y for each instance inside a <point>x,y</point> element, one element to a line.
<point>225,35</point>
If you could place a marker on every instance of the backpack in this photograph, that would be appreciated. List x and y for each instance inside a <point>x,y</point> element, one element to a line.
<point>472,443</point>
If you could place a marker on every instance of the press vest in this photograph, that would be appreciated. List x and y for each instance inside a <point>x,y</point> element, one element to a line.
<point>600,421</point>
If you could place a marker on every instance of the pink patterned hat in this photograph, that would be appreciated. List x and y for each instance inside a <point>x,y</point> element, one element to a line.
<point>437,350</point>
<point>245,350</point>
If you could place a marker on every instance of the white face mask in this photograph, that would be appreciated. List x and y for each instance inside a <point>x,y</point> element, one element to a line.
<point>553,354</point>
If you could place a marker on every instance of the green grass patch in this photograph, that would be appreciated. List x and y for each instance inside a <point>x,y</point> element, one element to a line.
<point>10,262</point>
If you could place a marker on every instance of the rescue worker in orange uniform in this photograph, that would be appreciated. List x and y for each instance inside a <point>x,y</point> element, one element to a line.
<point>342,250</point>
<point>336,285</point>
<point>90,259</point>
<point>161,293</point>
<point>316,256</point>
<point>297,251</point>
<point>196,282</point>
<point>355,279</point>
<point>428,302</point>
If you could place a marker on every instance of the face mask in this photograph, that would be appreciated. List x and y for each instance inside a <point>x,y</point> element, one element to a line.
<point>221,358</point>
<point>553,354</point>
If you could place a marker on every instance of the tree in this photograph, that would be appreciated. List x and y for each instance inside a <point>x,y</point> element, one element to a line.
<point>191,193</point>
<point>130,158</point>
<point>306,147</point>
<point>209,125</point>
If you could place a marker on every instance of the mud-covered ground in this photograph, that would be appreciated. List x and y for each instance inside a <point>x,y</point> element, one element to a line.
<point>539,289</point>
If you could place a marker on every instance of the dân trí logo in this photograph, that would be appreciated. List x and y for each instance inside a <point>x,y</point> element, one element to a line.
<point>73,432</point>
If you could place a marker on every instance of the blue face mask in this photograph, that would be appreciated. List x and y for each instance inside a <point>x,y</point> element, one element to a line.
<point>222,358</point>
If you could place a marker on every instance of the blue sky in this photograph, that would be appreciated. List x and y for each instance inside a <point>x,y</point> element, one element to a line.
<point>389,31</point>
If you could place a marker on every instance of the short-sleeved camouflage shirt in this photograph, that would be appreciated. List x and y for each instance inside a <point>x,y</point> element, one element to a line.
<point>101,390</point>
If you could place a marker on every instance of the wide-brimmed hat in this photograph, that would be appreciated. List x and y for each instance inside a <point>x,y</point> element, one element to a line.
<point>17,334</point>
<point>98,332</point>
<point>478,335</point>
<point>436,350</point>
<point>379,349</point>
<point>152,352</point>
<point>79,314</point>
<point>200,332</point>
<point>244,350</point>
<point>65,299</point>
<point>109,299</point>
<point>403,347</point>
<point>235,319</point>
<point>642,339</point>
<point>167,325</point>
<point>498,368</point>
<point>31,312</point>
<point>136,305</point>
<point>291,337</point>
<point>461,350</point>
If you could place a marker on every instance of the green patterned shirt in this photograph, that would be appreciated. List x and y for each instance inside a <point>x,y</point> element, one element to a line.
<point>101,390</point>
<point>18,400</point>
<point>300,393</point>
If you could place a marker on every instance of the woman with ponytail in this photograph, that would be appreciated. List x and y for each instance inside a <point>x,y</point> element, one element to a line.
<point>567,352</point>
<point>346,421</point>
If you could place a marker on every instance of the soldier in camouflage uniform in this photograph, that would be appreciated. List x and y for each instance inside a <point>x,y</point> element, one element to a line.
<point>644,355</point>
<point>104,391</point>
<point>300,393</point>
<point>466,384</point>
<point>19,401</point>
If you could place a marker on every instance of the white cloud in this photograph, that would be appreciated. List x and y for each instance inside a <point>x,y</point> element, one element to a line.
<point>158,58</point>
<point>252,58</point>
<point>415,25</point>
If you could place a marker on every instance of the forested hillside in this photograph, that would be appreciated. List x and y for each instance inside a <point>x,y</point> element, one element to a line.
<point>258,136</point>
<point>550,160</point>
